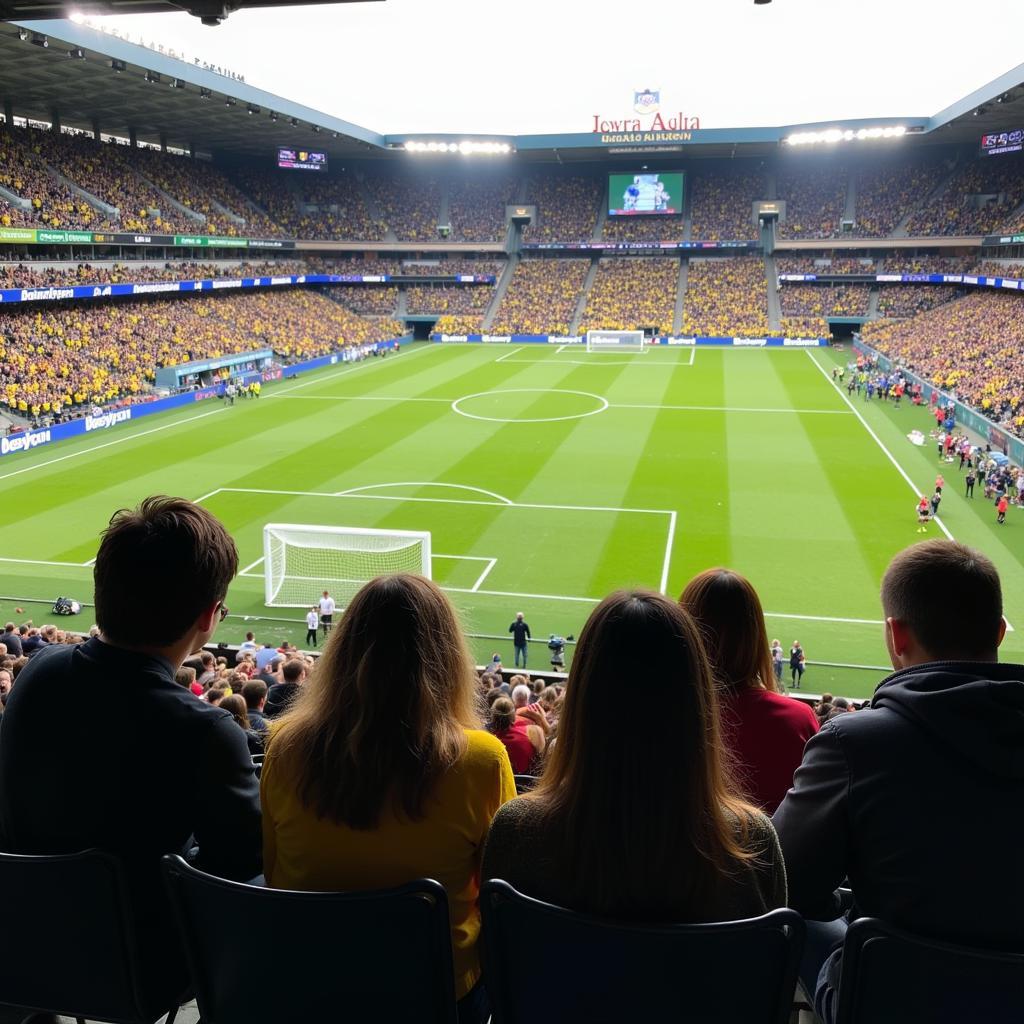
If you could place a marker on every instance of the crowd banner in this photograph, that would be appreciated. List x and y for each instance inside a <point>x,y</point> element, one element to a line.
<point>102,420</point>
<point>62,293</point>
<point>974,280</point>
<point>557,339</point>
<point>966,415</point>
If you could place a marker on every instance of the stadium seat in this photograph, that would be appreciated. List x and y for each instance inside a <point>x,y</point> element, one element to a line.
<point>68,941</point>
<point>891,977</point>
<point>381,956</point>
<point>524,783</point>
<point>740,971</point>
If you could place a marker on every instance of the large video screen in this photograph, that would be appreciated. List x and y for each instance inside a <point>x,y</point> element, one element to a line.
<point>301,160</point>
<point>1003,142</point>
<point>643,193</point>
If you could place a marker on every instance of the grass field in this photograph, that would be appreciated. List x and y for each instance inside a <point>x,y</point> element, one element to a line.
<point>547,478</point>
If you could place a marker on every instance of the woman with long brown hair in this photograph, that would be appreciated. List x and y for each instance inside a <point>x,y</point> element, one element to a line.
<point>764,730</point>
<point>634,817</point>
<point>380,772</point>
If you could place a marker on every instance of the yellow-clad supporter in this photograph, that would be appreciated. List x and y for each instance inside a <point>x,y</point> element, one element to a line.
<point>887,193</point>
<point>970,346</point>
<point>825,265</point>
<point>643,228</point>
<point>541,297</point>
<point>726,297</point>
<point>459,325</point>
<point>379,300</point>
<point>476,209</point>
<point>410,206</point>
<point>722,204</point>
<point>457,300</point>
<point>815,199</point>
<point>824,299</point>
<point>804,327</point>
<point>902,300</point>
<point>567,208</point>
<point>632,293</point>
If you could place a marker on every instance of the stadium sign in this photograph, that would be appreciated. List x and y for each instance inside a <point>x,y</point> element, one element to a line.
<point>22,442</point>
<point>107,419</point>
<point>645,123</point>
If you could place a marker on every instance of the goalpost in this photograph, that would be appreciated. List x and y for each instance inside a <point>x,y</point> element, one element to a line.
<point>302,561</point>
<point>615,341</point>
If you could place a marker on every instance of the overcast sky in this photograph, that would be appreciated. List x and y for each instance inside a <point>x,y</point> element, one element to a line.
<point>536,66</point>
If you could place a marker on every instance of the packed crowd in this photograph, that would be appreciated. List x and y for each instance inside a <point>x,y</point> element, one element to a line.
<point>803,327</point>
<point>738,802</point>
<point>63,355</point>
<point>455,300</point>
<point>824,265</point>
<point>106,172</point>
<point>824,299</point>
<point>815,200</point>
<point>970,347</point>
<point>202,187</point>
<point>566,208</point>
<point>643,228</point>
<point>54,205</point>
<point>411,207</point>
<point>887,193</point>
<point>29,275</point>
<point>333,207</point>
<point>541,297</point>
<point>476,209</point>
<point>977,200</point>
<point>722,204</point>
<point>374,299</point>
<point>449,324</point>
<point>726,297</point>
<point>632,294</point>
<point>928,265</point>
<point>903,300</point>
<point>427,267</point>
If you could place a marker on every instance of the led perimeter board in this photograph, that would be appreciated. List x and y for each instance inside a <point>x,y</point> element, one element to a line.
<point>301,160</point>
<point>643,193</point>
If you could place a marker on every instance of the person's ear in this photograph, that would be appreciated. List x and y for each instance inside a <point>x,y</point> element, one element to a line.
<point>209,617</point>
<point>1002,630</point>
<point>897,640</point>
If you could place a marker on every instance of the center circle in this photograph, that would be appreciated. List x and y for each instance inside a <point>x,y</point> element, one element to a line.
<point>495,399</point>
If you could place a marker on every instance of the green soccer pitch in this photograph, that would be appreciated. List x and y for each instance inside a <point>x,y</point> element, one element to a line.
<point>547,477</point>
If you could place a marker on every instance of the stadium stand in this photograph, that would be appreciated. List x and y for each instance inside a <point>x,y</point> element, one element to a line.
<point>785,264</point>
<point>824,300</point>
<point>971,345</point>
<point>803,326</point>
<point>902,300</point>
<point>650,228</point>
<point>566,208</point>
<point>476,209</point>
<point>721,203</point>
<point>815,197</point>
<point>375,300</point>
<point>28,275</point>
<point>726,297</point>
<point>980,198</point>
<point>455,300</point>
<point>63,355</point>
<point>630,294</point>
<point>899,264</point>
<point>541,297</point>
<point>888,193</point>
<point>410,207</point>
<point>449,324</point>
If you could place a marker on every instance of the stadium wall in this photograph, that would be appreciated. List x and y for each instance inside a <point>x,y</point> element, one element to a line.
<point>554,339</point>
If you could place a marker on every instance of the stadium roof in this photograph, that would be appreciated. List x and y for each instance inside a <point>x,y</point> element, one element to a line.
<point>192,105</point>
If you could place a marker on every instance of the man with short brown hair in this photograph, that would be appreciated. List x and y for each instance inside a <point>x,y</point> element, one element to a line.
<point>155,770</point>
<point>916,798</point>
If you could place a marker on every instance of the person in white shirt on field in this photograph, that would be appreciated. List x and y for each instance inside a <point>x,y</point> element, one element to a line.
<point>326,612</point>
<point>312,621</point>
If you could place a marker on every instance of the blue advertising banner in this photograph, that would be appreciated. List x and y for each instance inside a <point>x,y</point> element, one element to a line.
<point>555,339</point>
<point>982,281</point>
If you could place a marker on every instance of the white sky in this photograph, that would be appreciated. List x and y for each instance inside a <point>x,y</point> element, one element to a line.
<point>537,66</point>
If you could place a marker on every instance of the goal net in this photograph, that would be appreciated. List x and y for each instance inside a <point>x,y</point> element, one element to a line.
<point>300,562</point>
<point>615,341</point>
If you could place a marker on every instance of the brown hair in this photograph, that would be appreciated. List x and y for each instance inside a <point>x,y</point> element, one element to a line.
<point>253,691</point>
<point>185,676</point>
<point>239,712</point>
<point>503,714</point>
<point>177,553</point>
<point>728,611</point>
<point>656,827</point>
<point>293,670</point>
<point>948,595</point>
<point>383,715</point>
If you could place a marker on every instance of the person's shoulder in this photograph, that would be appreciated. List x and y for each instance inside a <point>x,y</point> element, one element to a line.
<point>482,747</point>
<point>516,815</point>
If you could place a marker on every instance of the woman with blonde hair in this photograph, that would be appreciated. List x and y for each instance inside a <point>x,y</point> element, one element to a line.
<point>380,773</point>
<point>639,823</point>
<point>764,730</point>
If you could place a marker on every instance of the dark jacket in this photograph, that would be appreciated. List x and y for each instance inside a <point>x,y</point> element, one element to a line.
<point>13,642</point>
<point>918,801</point>
<point>99,747</point>
<point>279,698</point>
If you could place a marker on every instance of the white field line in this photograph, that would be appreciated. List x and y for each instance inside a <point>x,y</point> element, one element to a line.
<point>251,565</point>
<point>394,399</point>
<point>888,454</point>
<point>502,359</point>
<point>823,618</point>
<point>668,552</point>
<point>729,408</point>
<point>348,368</point>
<point>110,444</point>
<point>491,563</point>
<point>352,491</point>
<point>37,561</point>
<point>653,364</point>
<point>693,354</point>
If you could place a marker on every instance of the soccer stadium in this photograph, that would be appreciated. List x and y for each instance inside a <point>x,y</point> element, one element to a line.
<point>710,436</point>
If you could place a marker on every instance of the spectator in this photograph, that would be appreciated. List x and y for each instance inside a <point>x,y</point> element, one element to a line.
<point>726,297</point>
<point>186,677</point>
<point>161,767</point>
<point>567,208</point>
<point>632,294</point>
<point>898,798</point>
<point>283,694</point>
<point>523,740</point>
<point>234,704</point>
<point>764,730</point>
<point>520,630</point>
<point>411,792</point>
<point>648,829</point>
<point>254,691</point>
<point>541,297</point>
<point>722,204</point>
<point>249,643</point>
<point>12,640</point>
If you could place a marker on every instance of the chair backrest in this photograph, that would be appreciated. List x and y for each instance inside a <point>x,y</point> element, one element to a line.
<point>544,964</point>
<point>269,955</point>
<point>67,938</point>
<point>524,783</point>
<point>891,976</point>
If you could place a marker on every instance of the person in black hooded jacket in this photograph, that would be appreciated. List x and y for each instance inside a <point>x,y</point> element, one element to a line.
<point>916,799</point>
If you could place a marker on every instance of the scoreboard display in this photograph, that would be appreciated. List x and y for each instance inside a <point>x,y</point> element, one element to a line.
<point>1002,142</point>
<point>632,194</point>
<point>301,160</point>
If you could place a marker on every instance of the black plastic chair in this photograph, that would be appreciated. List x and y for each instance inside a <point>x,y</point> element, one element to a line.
<point>597,970</point>
<point>68,941</point>
<point>889,976</point>
<point>268,955</point>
